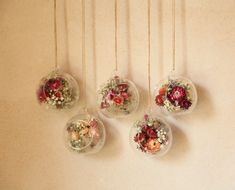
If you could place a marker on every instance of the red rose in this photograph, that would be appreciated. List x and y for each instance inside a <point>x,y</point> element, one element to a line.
<point>41,95</point>
<point>159,100</point>
<point>177,93</point>
<point>118,100</point>
<point>104,105</point>
<point>123,87</point>
<point>185,104</point>
<point>53,84</point>
<point>146,117</point>
<point>151,133</point>
<point>58,94</point>
<point>56,84</point>
<point>140,137</point>
<point>145,127</point>
<point>125,95</point>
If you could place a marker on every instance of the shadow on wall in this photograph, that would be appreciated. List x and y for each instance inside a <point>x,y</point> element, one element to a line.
<point>180,145</point>
<point>112,147</point>
<point>204,109</point>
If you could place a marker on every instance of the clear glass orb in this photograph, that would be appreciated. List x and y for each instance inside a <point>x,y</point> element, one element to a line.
<point>175,95</point>
<point>151,136</point>
<point>85,134</point>
<point>118,97</point>
<point>58,90</point>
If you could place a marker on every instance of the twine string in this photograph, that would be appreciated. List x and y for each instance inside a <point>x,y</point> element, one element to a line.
<point>115,35</point>
<point>149,52</point>
<point>55,35</point>
<point>173,35</point>
<point>84,71</point>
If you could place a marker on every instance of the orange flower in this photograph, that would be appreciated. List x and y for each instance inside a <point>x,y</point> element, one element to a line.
<point>84,131</point>
<point>153,145</point>
<point>162,91</point>
<point>74,135</point>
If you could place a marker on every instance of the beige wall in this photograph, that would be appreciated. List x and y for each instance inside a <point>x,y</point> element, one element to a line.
<point>32,152</point>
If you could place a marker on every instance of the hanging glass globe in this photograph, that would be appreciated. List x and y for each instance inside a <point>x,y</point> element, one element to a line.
<point>58,90</point>
<point>175,95</point>
<point>85,134</point>
<point>151,136</point>
<point>118,97</point>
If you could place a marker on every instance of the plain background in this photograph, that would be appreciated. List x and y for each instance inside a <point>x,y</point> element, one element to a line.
<point>32,151</point>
